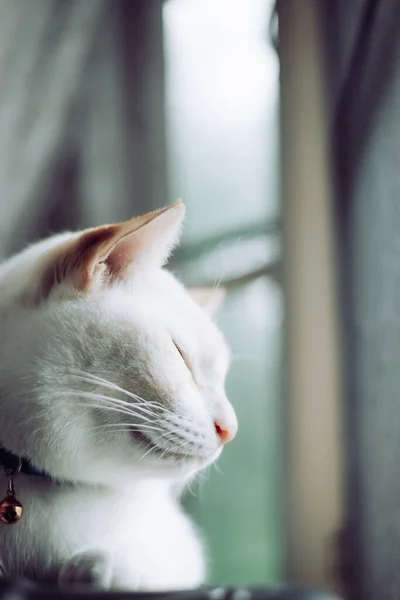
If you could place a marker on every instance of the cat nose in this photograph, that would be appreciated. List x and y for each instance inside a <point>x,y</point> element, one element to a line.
<point>226,430</point>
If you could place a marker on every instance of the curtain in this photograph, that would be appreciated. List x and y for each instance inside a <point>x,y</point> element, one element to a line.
<point>364,43</point>
<point>81,114</point>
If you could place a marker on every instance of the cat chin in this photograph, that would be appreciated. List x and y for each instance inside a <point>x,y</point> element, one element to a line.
<point>182,468</point>
<point>162,457</point>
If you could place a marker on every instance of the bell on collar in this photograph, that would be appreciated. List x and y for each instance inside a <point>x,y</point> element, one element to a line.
<point>10,508</point>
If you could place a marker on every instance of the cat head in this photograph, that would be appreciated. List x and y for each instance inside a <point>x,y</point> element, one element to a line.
<point>110,367</point>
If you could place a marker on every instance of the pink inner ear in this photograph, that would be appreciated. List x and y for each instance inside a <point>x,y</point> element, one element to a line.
<point>120,258</point>
<point>82,260</point>
<point>104,253</point>
<point>109,252</point>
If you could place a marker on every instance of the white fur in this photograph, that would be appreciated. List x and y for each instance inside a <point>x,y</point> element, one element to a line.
<point>120,524</point>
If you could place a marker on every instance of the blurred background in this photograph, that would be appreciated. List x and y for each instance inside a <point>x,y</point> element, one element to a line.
<point>277,123</point>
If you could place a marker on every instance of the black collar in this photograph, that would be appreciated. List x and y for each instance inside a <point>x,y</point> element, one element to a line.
<point>11,461</point>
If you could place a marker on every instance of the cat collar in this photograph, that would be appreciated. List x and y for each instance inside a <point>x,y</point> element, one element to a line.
<point>11,509</point>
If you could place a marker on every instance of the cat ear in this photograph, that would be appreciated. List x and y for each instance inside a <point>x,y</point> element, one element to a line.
<point>147,240</point>
<point>112,252</point>
<point>209,299</point>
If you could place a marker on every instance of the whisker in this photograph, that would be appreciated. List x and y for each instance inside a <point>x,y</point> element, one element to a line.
<point>217,283</point>
<point>180,446</point>
<point>163,454</point>
<point>174,449</point>
<point>116,400</point>
<point>90,378</point>
<point>124,427</point>
<point>152,448</point>
<point>156,447</point>
<point>217,468</point>
<point>199,479</point>
<point>120,410</point>
<point>106,382</point>
<point>128,407</point>
<point>169,432</point>
<point>190,489</point>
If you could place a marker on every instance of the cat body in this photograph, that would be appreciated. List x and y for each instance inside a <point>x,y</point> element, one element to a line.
<point>140,535</point>
<point>112,383</point>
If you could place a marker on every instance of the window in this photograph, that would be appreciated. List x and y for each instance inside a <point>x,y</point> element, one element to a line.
<point>222,106</point>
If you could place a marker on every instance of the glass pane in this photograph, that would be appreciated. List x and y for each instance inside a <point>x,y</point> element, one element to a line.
<point>222,89</point>
<point>238,504</point>
<point>222,99</point>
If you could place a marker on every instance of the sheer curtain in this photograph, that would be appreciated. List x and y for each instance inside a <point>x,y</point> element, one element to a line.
<point>81,126</point>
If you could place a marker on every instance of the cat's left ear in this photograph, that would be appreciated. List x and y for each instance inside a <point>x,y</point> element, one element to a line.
<point>210,299</point>
<point>109,253</point>
<point>147,240</point>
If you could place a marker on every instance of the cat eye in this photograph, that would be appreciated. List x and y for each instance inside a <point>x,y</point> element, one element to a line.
<point>182,355</point>
<point>186,361</point>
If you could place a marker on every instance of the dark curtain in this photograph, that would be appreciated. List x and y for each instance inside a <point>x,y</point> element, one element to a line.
<point>81,114</point>
<point>364,50</point>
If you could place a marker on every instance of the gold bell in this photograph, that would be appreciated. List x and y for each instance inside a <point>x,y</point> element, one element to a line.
<point>10,508</point>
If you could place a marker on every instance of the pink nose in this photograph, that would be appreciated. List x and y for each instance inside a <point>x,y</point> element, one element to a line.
<point>225,431</point>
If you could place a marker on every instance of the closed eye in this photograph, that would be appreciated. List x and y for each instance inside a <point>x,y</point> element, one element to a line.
<point>182,355</point>
<point>186,361</point>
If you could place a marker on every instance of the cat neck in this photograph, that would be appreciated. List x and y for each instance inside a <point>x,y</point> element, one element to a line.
<point>12,463</point>
<point>159,487</point>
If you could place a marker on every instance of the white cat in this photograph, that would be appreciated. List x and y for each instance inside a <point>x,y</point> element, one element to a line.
<point>112,382</point>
